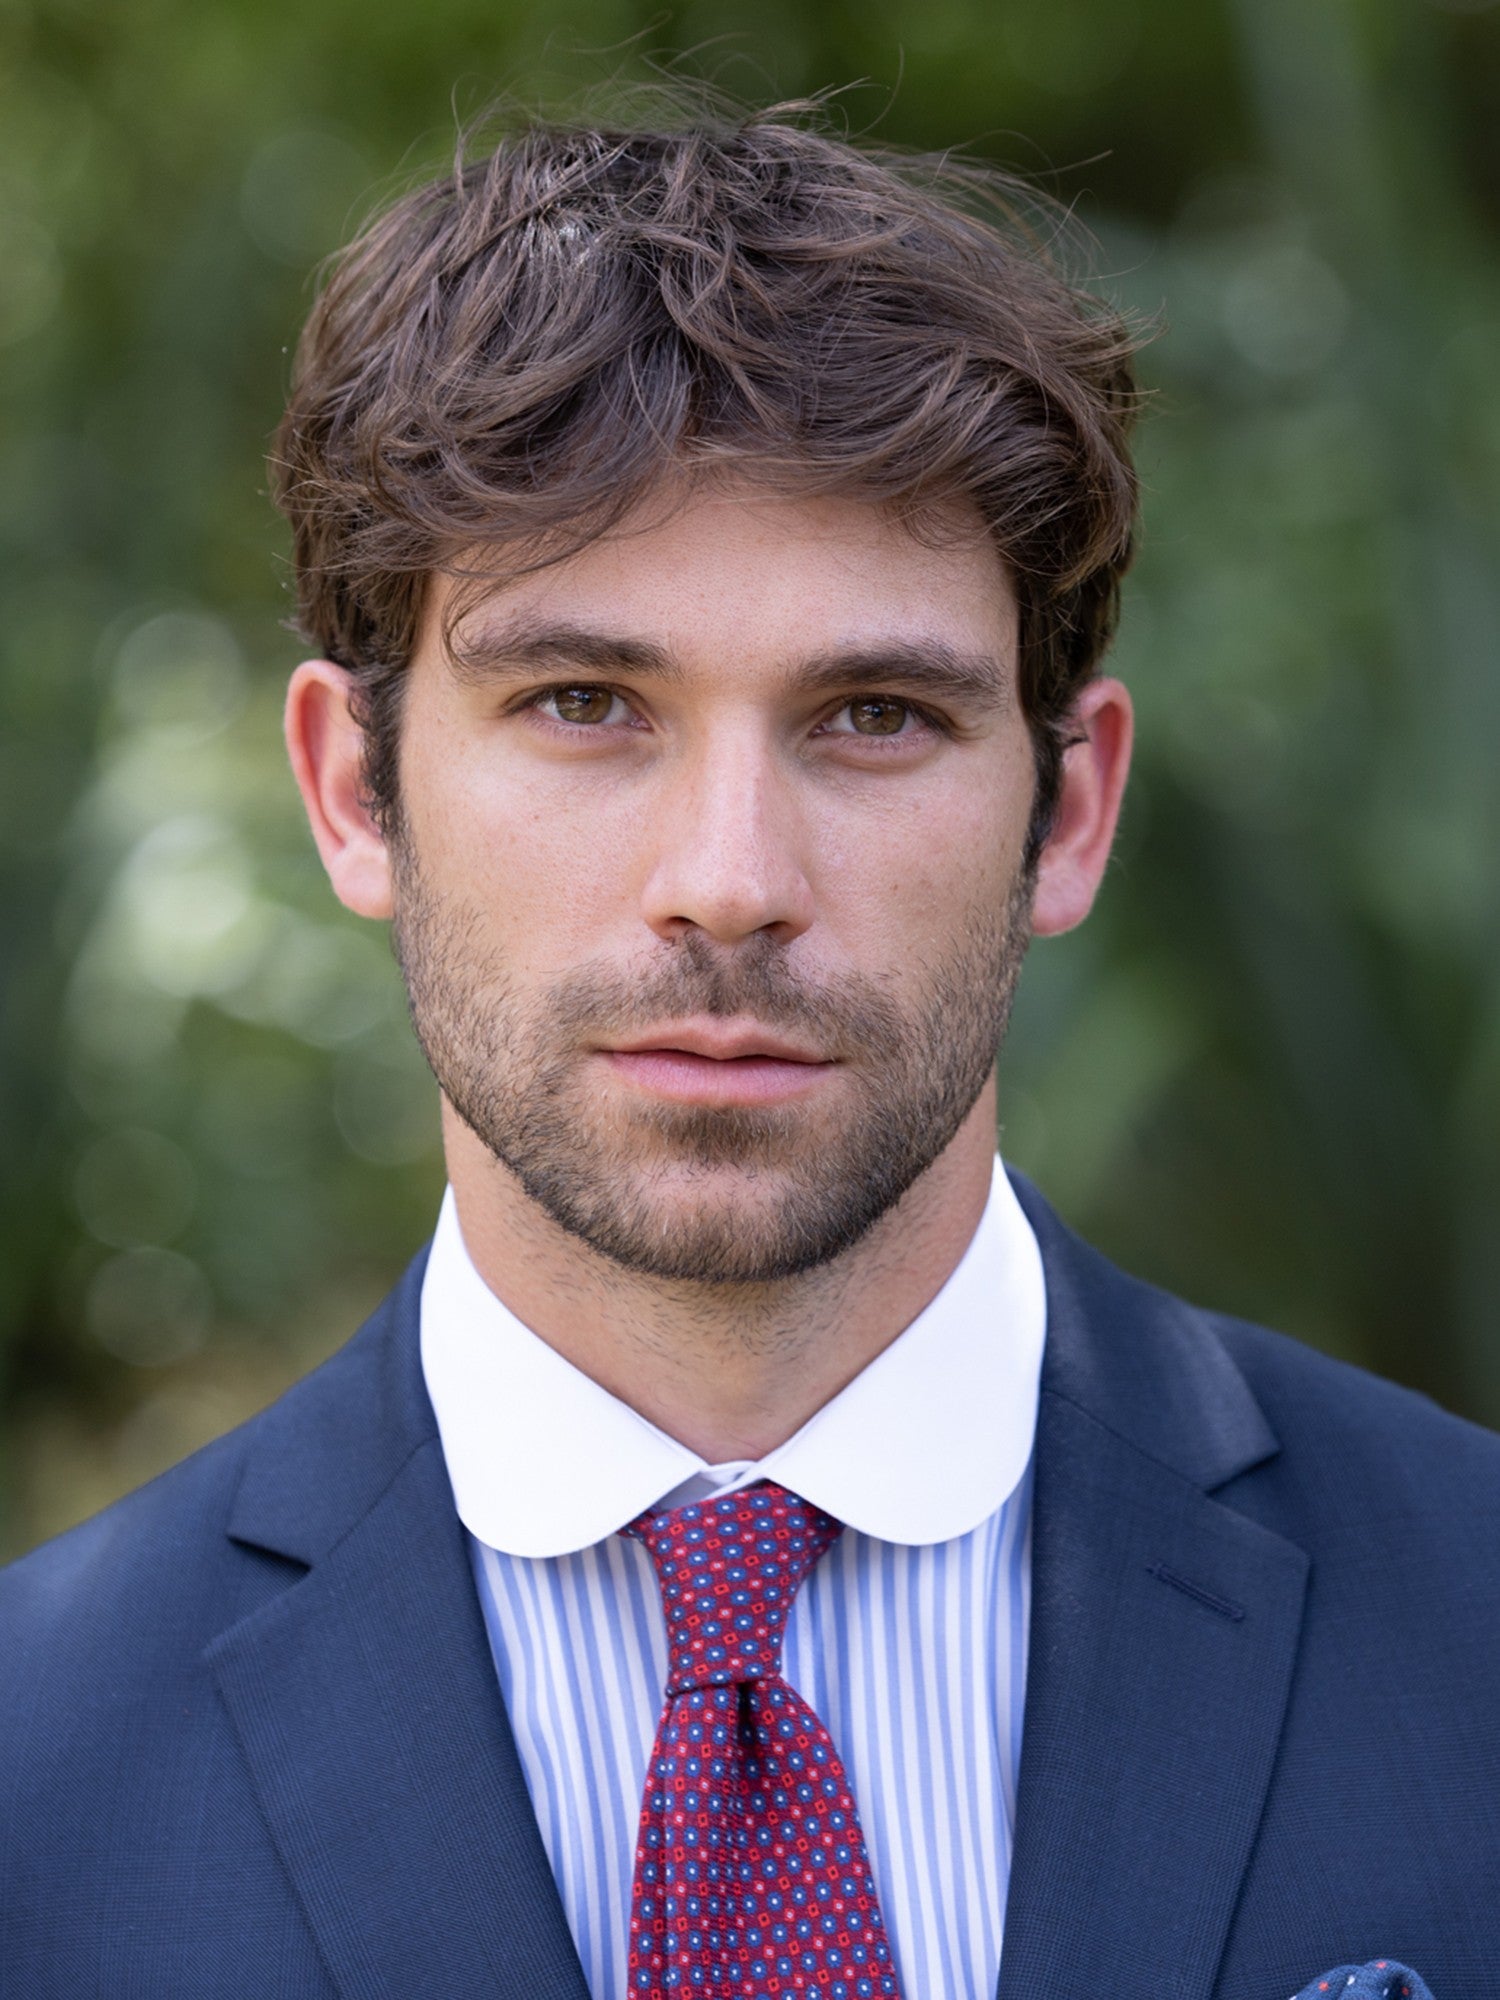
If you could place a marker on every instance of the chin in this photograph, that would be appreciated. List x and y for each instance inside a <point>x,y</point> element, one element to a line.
<point>717,1222</point>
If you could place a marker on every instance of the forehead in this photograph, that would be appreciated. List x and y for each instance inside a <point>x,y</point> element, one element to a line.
<point>731,567</point>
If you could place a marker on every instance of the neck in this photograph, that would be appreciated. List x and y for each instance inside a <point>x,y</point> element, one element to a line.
<point>730,1371</point>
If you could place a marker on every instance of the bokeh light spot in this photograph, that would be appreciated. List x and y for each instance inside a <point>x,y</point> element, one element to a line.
<point>149,1307</point>
<point>134,1187</point>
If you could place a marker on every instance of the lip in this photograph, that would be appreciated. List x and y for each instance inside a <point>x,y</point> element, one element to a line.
<point>717,1041</point>
<point>720,1063</point>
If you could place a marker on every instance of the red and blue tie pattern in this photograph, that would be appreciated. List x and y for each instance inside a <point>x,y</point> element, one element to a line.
<point>751,1877</point>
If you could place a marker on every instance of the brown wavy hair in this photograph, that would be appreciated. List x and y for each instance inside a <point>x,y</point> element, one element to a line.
<point>511,358</point>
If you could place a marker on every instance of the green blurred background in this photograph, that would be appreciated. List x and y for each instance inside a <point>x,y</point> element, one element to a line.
<point>1266,1074</point>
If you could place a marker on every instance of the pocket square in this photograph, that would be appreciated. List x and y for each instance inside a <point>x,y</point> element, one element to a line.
<point>1381,1979</point>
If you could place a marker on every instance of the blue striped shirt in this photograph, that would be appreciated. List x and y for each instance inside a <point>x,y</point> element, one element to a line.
<point>911,1647</point>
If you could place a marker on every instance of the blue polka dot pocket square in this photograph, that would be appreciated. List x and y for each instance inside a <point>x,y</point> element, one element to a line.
<point>1381,1979</point>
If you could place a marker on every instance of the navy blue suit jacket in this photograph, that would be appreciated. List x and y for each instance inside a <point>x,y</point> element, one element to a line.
<point>251,1741</point>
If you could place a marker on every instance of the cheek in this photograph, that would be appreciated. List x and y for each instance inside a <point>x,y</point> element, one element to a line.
<point>906,875</point>
<point>546,861</point>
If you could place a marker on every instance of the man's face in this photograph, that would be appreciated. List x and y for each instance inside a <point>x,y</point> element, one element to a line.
<point>707,877</point>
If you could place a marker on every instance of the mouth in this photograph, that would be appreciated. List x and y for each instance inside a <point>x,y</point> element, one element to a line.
<point>717,1063</point>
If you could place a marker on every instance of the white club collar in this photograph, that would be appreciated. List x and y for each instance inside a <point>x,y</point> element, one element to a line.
<point>924,1444</point>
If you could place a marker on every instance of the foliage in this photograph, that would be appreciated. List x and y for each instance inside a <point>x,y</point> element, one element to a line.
<point>1268,1073</point>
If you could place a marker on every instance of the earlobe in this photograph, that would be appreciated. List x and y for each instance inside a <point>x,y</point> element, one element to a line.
<point>1095,768</point>
<point>326,747</point>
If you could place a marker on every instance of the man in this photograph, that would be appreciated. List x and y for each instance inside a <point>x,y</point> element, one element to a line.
<point>759,1551</point>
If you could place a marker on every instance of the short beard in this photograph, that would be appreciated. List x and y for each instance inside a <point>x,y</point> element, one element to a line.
<point>778,1194</point>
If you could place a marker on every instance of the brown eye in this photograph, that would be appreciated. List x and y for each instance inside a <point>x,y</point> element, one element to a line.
<point>582,704</point>
<point>878,718</point>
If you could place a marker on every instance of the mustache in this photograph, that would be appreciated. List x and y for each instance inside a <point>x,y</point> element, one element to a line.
<point>844,1014</point>
<point>754,979</point>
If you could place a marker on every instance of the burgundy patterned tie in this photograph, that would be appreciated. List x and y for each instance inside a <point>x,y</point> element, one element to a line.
<point>751,1878</point>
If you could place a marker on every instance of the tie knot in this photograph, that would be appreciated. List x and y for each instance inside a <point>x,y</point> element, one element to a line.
<point>729,1569</point>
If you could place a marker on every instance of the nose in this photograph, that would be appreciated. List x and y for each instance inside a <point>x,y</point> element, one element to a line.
<point>726,840</point>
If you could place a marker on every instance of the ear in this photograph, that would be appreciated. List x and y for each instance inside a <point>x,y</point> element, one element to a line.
<point>326,746</point>
<point>1094,770</point>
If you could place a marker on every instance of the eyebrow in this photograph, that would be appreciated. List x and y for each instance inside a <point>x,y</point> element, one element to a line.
<point>501,649</point>
<point>914,666</point>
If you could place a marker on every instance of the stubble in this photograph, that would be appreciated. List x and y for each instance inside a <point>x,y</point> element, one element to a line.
<point>702,1194</point>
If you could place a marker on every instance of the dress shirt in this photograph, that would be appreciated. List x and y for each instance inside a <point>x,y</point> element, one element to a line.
<point>908,1639</point>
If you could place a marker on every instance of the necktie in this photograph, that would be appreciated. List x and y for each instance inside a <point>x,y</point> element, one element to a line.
<point>751,1878</point>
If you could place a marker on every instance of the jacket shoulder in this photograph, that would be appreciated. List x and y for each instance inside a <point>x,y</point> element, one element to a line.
<point>147,1550</point>
<point>1365,1452</point>
<point>147,1583</point>
<point>1257,1417</point>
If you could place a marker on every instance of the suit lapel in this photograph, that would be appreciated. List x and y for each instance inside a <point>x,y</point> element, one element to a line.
<point>1163,1633</point>
<point>366,1703</point>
